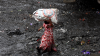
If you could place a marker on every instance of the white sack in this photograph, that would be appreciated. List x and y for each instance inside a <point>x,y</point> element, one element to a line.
<point>46,14</point>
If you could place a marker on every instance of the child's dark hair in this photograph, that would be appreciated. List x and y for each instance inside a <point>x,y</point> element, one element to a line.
<point>46,22</point>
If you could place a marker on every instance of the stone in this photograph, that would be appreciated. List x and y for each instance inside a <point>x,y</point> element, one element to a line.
<point>32,42</point>
<point>77,38</point>
<point>34,38</point>
<point>62,53</point>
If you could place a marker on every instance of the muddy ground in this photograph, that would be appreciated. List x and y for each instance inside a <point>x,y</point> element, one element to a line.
<point>75,25</point>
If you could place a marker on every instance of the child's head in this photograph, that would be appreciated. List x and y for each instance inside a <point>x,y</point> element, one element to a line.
<point>46,22</point>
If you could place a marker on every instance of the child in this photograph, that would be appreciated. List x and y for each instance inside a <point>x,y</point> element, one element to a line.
<point>47,41</point>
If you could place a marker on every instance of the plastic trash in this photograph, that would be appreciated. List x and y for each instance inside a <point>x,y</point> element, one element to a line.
<point>31,23</point>
<point>85,52</point>
<point>82,42</point>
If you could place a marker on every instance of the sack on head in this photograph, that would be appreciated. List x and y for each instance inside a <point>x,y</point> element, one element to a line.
<point>46,14</point>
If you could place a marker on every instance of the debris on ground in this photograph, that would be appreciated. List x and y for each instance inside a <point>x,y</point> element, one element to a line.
<point>16,32</point>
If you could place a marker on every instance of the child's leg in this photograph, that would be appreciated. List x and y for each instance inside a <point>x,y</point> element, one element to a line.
<point>44,51</point>
<point>40,51</point>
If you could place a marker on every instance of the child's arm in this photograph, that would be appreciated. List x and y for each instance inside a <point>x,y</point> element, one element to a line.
<point>40,28</point>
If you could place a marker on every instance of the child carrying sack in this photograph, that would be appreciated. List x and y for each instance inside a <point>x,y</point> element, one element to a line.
<point>46,14</point>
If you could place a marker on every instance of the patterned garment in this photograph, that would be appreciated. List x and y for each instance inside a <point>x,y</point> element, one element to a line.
<point>47,41</point>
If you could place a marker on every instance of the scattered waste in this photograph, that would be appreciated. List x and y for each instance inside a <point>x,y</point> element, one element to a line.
<point>17,32</point>
<point>83,19</point>
<point>27,27</point>
<point>85,52</point>
<point>82,42</point>
<point>67,41</point>
<point>77,39</point>
<point>31,23</point>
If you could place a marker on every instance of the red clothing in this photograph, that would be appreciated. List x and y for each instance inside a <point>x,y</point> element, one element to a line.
<point>47,41</point>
